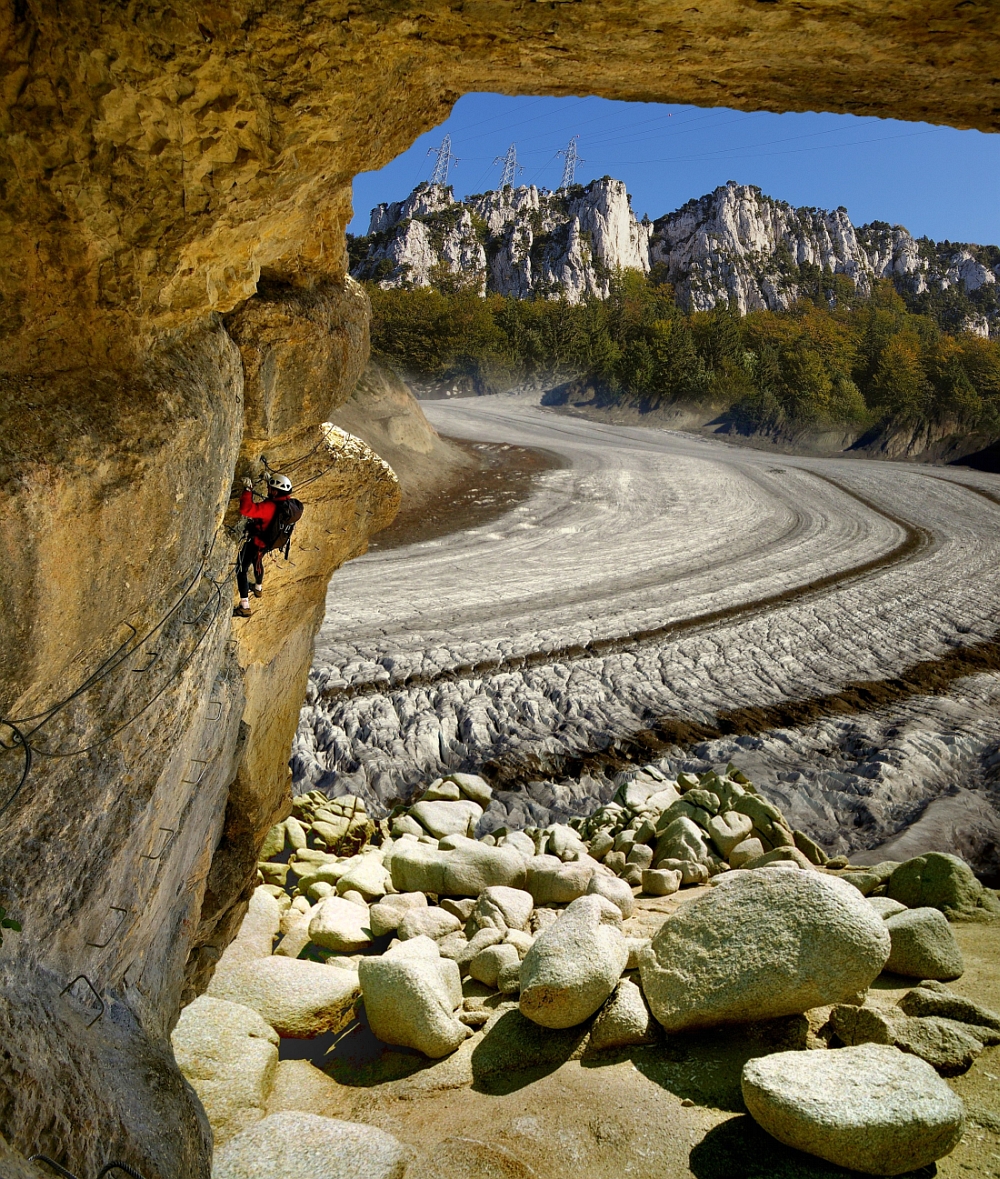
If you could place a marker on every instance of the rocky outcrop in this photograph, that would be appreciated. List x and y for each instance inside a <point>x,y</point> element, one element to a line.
<point>740,246</point>
<point>734,245</point>
<point>160,735</point>
<point>384,413</point>
<point>516,242</point>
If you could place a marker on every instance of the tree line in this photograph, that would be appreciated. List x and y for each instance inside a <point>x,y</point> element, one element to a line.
<point>836,357</point>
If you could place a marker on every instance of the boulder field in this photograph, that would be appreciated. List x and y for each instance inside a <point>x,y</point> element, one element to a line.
<point>536,945</point>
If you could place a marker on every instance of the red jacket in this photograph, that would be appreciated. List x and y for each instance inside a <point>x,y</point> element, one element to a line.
<point>261,514</point>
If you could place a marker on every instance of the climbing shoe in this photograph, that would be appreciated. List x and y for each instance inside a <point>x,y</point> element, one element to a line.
<point>241,611</point>
<point>257,591</point>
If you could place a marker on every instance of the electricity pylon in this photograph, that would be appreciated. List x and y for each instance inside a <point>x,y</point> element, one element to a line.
<point>510,166</point>
<point>445,159</point>
<point>572,159</point>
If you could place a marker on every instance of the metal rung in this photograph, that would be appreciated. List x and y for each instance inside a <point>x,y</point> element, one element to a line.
<point>195,761</point>
<point>44,1158</point>
<point>93,991</point>
<point>115,1166</point>
<point>153,657</point>
<point>171,832</point>
<point>117,928</point>
<point>218,715</point>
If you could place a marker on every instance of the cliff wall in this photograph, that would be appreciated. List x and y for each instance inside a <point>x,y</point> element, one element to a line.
<point>174,186</point>
<point>733,245</point>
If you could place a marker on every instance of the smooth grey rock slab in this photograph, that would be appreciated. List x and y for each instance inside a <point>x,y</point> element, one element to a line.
<point>871,1108</point>
<point>306,1146</point>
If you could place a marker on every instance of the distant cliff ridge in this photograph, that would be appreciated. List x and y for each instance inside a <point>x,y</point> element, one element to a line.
<point>734,244</point>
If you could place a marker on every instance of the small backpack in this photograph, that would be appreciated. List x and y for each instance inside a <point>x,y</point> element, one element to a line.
<point>278,534</point>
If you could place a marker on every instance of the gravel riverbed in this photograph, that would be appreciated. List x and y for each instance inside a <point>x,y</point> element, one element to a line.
<point>653,585</point>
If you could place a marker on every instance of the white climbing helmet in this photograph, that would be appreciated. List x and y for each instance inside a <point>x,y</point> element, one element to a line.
<point>280,483</point>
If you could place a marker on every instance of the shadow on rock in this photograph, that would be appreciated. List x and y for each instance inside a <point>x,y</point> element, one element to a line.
<point>740,1149</point>
<point>515,1052</point>
<point>356,1057</point>
<point>705,1067</point>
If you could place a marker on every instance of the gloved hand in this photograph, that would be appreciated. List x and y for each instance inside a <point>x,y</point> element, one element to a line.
<point>247,483</point>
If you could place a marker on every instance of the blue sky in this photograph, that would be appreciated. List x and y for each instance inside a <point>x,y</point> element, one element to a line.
<point>934,180</point>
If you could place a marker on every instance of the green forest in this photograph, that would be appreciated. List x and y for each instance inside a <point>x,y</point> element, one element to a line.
<point>836,358</point>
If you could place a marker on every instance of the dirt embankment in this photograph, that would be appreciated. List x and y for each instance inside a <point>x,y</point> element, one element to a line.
<point>447,484</point>
<point>928,442</point>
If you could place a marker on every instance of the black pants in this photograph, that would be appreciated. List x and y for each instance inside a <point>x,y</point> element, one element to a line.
<point>250,558</point>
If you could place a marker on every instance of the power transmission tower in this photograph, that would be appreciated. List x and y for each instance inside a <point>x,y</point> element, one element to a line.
<point>445,159</point>
<point>510,167</point>
<point>572,159</point>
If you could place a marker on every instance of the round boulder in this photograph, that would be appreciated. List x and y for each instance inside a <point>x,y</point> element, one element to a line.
<point>872,1108</point>
<point>937,880</point>
<point>923,945</point>
<point>762,945</point>
<point>574,964</point>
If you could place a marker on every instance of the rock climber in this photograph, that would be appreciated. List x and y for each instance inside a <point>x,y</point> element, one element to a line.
<point>270,527</point>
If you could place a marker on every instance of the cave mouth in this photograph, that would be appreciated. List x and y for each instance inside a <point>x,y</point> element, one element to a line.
<point>149,185</point>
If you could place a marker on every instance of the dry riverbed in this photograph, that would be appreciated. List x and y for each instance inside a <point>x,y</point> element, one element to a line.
<point>829,624</point>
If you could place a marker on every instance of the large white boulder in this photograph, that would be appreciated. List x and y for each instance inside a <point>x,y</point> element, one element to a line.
<point>503,909</point>
<point>871,1108</point>
<point>300,999</point>
<point>762,945</point>
<point>337,924</point>
<point>307,1146</point>
<point>464,869</point>
<point>574,964</point>
<point>551,882</point>
<point>447,818</point>
<point>411,995</point>
<point>230,1056</point>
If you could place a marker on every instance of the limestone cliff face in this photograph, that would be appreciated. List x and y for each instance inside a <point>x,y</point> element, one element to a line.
<point>517,241</point>
<point>174,184</point>
<point>738,244</point>
<point>159,732</point>
<point>734,245</point>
